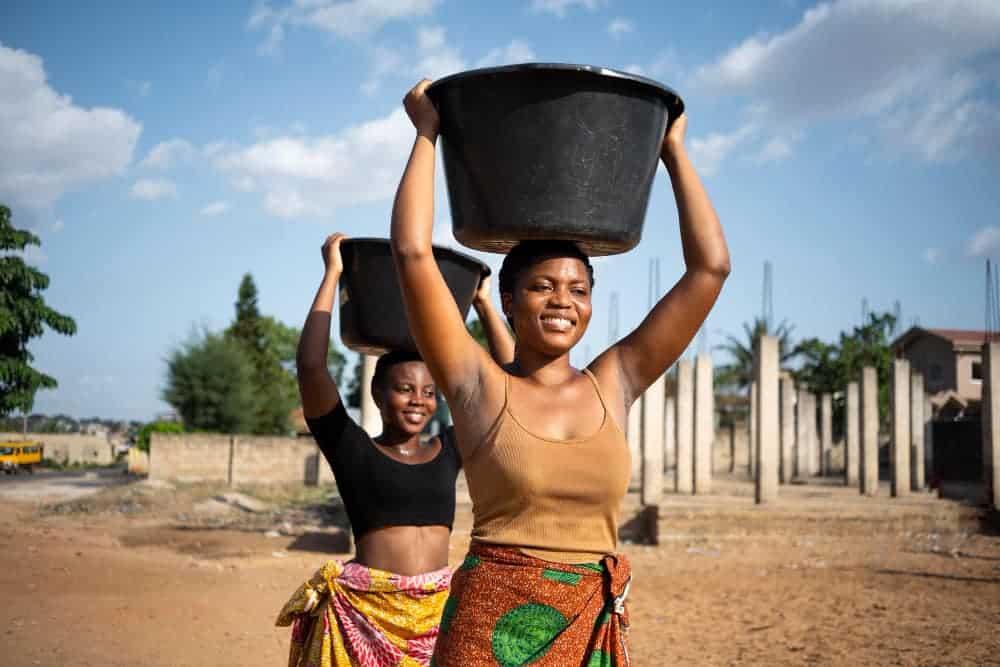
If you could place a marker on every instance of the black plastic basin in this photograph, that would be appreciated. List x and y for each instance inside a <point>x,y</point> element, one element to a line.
<point>550,151</point>
<point>372,317</point>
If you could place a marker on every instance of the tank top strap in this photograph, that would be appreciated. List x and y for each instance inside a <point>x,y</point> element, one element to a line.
<point>597,388</point>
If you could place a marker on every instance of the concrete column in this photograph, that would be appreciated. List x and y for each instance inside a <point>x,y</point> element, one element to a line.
<point>917,476</point>
<point>900,409</point>
<point>651,489</point>
<point>852,435</point>
<point>801,434</point>
<point>670,433</point>
<point>684,472</point>
<point>371,420</point>
<point>767,438</point>
<point>928,438</point>
<point>869,431</point>
<point>813,436</point>
<point>752,434</point>
<point>787,429</point>
<point>704,423</point>
<point>991,417</point>
<point>825,433</point>
<point>633,433</point>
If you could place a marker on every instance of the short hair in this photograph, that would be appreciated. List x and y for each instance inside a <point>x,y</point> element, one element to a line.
<point>528,253</point>
<point>387,361</point>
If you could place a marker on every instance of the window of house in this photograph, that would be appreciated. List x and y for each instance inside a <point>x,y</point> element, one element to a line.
<point>977,371</point>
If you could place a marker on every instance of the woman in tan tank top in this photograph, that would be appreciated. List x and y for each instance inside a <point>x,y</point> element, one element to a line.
<point>542,443</point>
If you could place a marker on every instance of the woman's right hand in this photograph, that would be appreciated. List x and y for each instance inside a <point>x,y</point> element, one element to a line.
<point>421,110</point>
<point>331,254</point>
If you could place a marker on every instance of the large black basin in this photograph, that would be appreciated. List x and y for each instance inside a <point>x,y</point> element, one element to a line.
<point>550,151</point>
<point>372,317</point>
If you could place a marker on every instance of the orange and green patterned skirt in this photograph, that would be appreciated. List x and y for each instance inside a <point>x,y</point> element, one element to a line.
<point>352,615</point>
<point>507,608</point>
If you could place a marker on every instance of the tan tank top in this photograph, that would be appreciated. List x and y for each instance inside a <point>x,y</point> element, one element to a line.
<point>555,500</point>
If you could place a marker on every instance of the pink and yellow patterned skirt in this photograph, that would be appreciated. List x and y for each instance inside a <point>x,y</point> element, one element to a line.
<point>352,615</point>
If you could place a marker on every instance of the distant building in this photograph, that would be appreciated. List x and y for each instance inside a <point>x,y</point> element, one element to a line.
<point>951,362</point>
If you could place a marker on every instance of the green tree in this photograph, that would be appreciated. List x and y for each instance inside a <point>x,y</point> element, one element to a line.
<point>209,384</point>
<point>738,373</point>
<point>828,367</point>
<point>23,312</point>
<point>272,385</point>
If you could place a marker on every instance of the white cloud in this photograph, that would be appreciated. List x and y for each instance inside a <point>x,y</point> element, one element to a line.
<point>58,226</point>
<point>34,255</point>
<point>775,149</point>
<point>164,154</point>
<point>386,61</point>
<point>302,176</point>
<point>347,18</point>
<point>150,189</point>
<point>214,209</point>
<point>709,152</point>
<point>436,57</point>
<point>620,26</point>
<point>984,243</point>
<point>561,7</point>
<point>515,52</point>
<point>907,65</point>
<point>932,255</point>
<point>51,145</point>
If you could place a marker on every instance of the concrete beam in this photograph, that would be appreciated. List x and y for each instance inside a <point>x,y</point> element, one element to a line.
<point>801,434</point>
<point>787,468</point>
<point>825,433</point>
<point>869,431</point>
<point>684,472</point>
<point>767,436</point>
<point>651,489</point>
<point>899,456</point>
<point>991,423</point>
<point>917,476</point>
<point>852,435</point>
<point>371,420</point>
<point>670,433</point>
<point>704,423</point>
<point>633,433</point>
<point>752,434</point>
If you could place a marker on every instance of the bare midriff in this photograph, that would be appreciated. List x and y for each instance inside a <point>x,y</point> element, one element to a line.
<point>406,550</point>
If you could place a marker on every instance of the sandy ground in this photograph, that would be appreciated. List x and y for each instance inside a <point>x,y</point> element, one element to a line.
<point>138,575</point>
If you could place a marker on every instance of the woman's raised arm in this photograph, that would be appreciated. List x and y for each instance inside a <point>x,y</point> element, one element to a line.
<point>316,387</point>
<point>452,355</point>
<point>649,350</point>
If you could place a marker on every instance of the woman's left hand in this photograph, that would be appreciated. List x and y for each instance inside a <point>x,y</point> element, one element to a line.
<point>482,294</point>
<point>421,110</point>
<point>673,139</point>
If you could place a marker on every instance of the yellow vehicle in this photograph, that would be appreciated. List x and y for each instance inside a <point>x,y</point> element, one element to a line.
<point>17,456</point>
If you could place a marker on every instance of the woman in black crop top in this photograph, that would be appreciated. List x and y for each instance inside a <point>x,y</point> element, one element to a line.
<point>399,494</point>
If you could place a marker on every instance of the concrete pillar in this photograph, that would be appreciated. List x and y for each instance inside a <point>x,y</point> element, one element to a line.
<point>852,435</point>
<point>752,434</point>
<point>812,435</point>
<point>991,423</point>
<point>371,420</point>
<point>899,456</point>
<point>651,490</point>
<point>801,434</point>
<point>633,433</point>
<point>917,477</point>
<point>869,431</point>
<point>787,429</point>
<point>704,423</point>
<point>928,438</point>
<point>684,472</point>
<point>670,433</point>
<point>767,437</point>
<point>825,433</point>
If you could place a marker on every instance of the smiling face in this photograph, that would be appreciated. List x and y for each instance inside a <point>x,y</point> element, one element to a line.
<point>550,304</point>
<point>406,397</point>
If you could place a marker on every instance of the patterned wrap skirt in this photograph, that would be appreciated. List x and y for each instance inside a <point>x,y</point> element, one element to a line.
<point>507,608</point>
<point>352,615</point>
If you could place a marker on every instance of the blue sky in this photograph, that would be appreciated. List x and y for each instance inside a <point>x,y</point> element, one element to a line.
<point>161,151</point>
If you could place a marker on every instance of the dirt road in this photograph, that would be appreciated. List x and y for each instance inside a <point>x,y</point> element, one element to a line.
<point>143,588</point>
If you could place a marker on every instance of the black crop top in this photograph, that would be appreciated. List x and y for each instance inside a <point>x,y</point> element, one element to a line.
<point>380,491</point>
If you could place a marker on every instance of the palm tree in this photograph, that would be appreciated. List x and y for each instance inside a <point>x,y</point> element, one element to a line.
<point>738,374</point>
